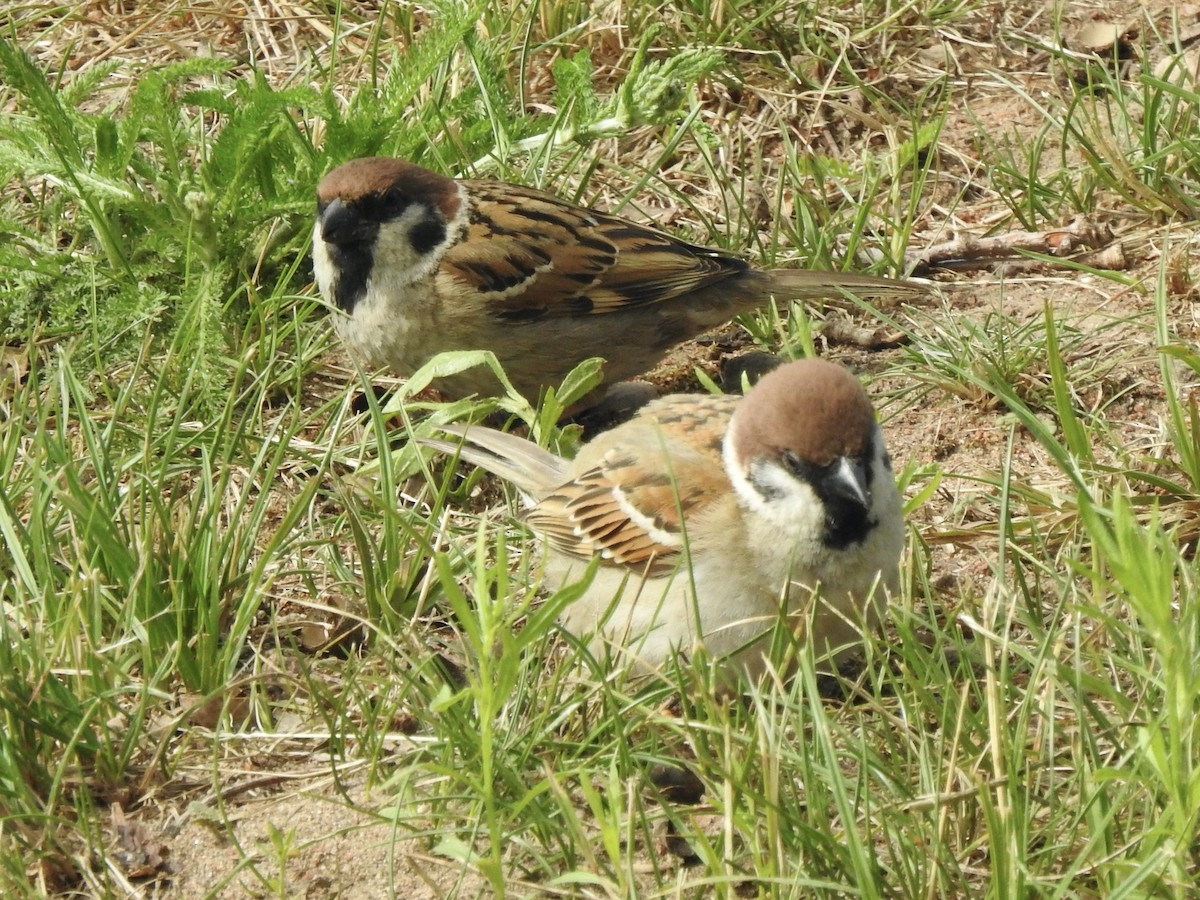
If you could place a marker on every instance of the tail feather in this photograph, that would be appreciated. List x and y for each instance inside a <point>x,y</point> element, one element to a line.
<point>535,471</point>
<point>805,284</point>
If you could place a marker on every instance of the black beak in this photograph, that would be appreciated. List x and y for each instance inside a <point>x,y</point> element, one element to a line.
<point>849,481</point>
<point>341,224</point>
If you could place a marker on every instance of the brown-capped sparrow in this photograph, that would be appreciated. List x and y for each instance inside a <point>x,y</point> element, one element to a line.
<point>417,263</point>
<point>714,515</point>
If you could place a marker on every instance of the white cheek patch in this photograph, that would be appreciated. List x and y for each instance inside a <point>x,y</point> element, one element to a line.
<point>323,268</point>
<point>396,260</point>
<point>785,499</point>
<point>792,503</point>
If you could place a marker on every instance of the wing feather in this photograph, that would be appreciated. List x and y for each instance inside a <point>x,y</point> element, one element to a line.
<point>632,503</point>
<point>635,488</point>
<point>529,255</point>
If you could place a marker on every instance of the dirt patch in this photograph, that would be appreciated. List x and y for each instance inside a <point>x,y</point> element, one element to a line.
<point>317,840</point>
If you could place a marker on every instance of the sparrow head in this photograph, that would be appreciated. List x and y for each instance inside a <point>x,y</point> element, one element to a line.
<point>380,213</point>
<point>808,430</point>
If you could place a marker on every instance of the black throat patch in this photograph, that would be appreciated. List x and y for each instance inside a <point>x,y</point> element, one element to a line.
<point>352,264</point>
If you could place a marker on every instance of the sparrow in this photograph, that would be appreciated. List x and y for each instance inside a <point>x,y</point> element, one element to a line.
<point>713,516</point>
<point>415,263</point>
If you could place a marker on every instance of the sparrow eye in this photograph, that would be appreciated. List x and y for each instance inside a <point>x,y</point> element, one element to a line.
<point>801,468</point>
<point>390,205</point>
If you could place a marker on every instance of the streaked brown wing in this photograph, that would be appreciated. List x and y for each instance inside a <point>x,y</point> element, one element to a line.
<point>531,255</point>
<point>632,506</point>
<point>698,420</point>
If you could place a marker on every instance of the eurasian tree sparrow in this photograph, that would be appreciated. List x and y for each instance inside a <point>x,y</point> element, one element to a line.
<point>417,263</point>
<point>713,515</point>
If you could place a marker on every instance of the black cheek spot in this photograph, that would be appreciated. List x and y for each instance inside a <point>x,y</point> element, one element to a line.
<point>427,234</point>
